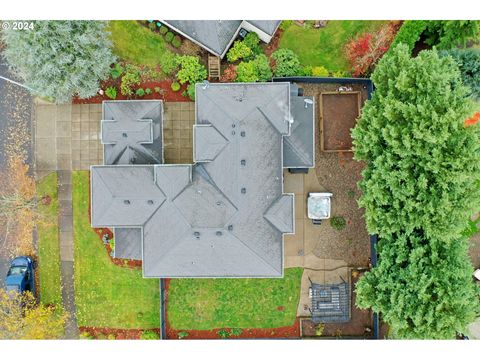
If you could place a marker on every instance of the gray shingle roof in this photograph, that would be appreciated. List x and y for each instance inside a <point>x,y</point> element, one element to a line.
<point>128,243</point>
<point>226,215</point>
<point>299,147</point>
<point>132,132</point>
<point>217,35</point>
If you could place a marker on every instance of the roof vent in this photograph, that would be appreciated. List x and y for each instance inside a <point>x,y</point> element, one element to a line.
<point>243,162</point>
<point>205,85</point>
<point>219,233</point>
<point>150,202</point>
<point>124,135</point>
<point>242,133</point>
<point>126,202</point>
<point>230,227</point>
<point>219,203</point>
<point>233,125</point>
<point>196,234</point>
<point>233,132</point>
<point>243,191</point>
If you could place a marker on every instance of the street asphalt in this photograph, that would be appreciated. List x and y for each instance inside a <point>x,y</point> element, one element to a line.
<point>16,129</point>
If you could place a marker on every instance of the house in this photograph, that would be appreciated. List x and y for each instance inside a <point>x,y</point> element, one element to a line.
<point>223,216</point>
<point>216,36</point>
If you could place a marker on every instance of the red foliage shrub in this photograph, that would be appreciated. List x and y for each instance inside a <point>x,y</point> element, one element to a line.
<point>473,120</point>
<point>229,74</point>
<point>364,51</point>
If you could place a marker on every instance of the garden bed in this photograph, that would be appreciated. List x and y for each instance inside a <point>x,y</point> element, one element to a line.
<point>114,334</point>
<point>166,94</point>
<point>339,113</point>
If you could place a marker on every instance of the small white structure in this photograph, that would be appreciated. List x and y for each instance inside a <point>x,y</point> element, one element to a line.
<point>319,205</point>
<point>476,274</point>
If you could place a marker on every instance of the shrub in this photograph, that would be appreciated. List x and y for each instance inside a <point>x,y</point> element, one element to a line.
<point>254,70</point>
<point>163,30</point>
<point>140,92</point>
<point>286,63</point>
<point>285,24</point>
<point>364,52</point>
<point>158,89</point>
<point>236,332</point>
<point>320,71</point>
<point>61,59</point>
<point>175,86</point>
<point>306,71</point>
<point>409,34</point>
<point>111,92</point>
<point>169,37</point>
<point>116,71</point>
<point>420,159</point>
<point>253,42</point>
<point>111,337</point>
<point>183,334</point>
<point>191,70</point>
<point>468,61</point>
<point>447,34</point>
<point>238,51</point>
<point>338,223</point>
<point>152,26</point>
<point>149,335</point>
<point>229,74</point>
<point>191,91</point>
<point>224,334</point>
<point>148,91</point>
<point>177,42</point>
<point>130,79</point>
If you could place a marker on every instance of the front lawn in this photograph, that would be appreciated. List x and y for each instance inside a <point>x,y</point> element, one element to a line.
<point>324,47</point>
<point>107,295</point>
<point>50,287</point>
<point>203,304</point>
<point>137,44</point>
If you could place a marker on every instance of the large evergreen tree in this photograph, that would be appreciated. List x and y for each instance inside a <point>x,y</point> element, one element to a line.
<point>60,59</point>
<point>420,185</point>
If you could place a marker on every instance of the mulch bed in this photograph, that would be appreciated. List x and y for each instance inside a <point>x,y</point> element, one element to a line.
<point>119,334</point>
<point>274,43</point>
<point>285,332</point>
<point>167,95</point>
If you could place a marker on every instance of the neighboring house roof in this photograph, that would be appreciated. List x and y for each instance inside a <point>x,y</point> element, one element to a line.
<point>132,132</point>
<point>224,216</point>
<point>216,36</point>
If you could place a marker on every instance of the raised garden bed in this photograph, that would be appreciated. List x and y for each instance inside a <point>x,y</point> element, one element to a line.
<point>339,113</point>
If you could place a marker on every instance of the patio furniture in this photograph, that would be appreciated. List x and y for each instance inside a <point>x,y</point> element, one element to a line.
<point>319,206</point>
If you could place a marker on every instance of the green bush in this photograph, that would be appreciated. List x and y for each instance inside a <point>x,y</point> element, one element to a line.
<point>130,79</point>
<point>409,34</point>
<point>191,70</point>
<point>262,66</point>
<point>175,86</point>
<point>238,51</point>
<point>116,71</point>
<point>285,24</point>
<point>148,91</point>
<point>224,334</point>
<point>254,70</point>
<point>163,30</point>
<point>191,91</point>
<point>140,92</point>
<point>236,332</point>
<point>177,42</point>
<point>253,42</point>
<point>183,334</point>
<point>152,26</point>
<point>111,92</point>
<point>338,222</point>
<point>149,335</point>
<point>447,34</point>
<point>169,37</point>
<point>286,63</point>
<point>468,61</point>
<point>320,71</point>
<point>111,337</point>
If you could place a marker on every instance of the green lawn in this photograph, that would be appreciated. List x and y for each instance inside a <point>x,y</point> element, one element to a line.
<point>139,45</point>
<point>48,243</point>
<point>324,47</point>
<point>234,303</point>
<point>107,295</point>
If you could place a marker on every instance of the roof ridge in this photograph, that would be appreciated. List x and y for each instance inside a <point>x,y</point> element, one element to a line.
<point>258,255</point>
<point>299,154</point>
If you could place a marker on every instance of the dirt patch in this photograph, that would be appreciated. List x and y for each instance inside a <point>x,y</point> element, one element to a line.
<point>272,46</point>
<point>46,200</point>
<point>474,250</point>
<point>165,93</point>
<point>114,334</point>
<point>360,324</point>
<point>340,112</point>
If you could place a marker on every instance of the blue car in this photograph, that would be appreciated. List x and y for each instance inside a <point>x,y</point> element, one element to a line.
<point>21,275</point>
